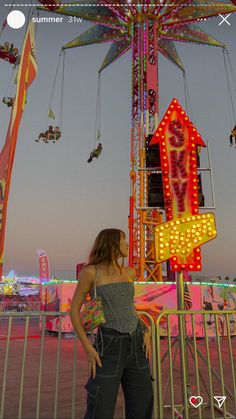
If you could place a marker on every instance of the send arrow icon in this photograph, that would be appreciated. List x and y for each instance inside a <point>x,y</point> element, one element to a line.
<point>220,400</point>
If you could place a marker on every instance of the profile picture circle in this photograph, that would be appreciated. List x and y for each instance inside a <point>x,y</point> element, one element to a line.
<point>15,19</point>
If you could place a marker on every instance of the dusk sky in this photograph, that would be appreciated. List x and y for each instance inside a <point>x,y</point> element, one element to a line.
<point>59,202</point>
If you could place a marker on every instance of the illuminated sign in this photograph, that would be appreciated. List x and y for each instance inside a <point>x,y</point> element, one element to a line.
<point>178,140</point>
<point>178,239</point>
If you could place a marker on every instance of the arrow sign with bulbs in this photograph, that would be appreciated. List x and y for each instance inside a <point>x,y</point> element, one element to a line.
<point>178,239</point>
<point>178,140</point>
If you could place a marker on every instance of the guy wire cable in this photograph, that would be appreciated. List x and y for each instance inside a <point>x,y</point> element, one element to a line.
<point>229,87</point>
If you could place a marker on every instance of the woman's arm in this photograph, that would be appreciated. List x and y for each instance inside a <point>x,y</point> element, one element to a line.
<point>85,284</point>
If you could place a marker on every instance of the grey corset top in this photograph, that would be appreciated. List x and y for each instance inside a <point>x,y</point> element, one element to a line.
<point>118,306</point>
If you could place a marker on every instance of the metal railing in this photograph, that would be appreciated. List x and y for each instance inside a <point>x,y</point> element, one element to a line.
<point>153,359</point>
<point>19,306</point>
<point>37,368</point>
<point>43,376</point>
<point>193,370</point>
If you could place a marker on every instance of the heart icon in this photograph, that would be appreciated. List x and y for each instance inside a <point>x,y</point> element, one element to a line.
<point>195,401</point>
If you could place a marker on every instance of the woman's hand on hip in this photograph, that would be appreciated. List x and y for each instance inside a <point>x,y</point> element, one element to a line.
<point>93,358</point>
<point>146,342</point>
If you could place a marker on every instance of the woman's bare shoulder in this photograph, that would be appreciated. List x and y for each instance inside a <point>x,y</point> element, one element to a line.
<point>131,272</point>
<point>88,273</point>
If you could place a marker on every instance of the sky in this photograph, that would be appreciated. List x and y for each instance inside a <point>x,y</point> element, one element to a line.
<point>59,202</point>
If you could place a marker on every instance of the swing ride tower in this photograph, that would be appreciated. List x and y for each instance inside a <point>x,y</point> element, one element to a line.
<point>142,218</point>
<point>147,29</point>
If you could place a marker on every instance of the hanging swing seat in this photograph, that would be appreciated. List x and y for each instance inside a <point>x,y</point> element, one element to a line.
<point>233,132</point>
<point>8,56</point>
<point>9,101</point>
<point>233,137</point>
<point>95,153</point>
<point>55,135</point>
<point>97,143</point>
<point>230,75</point>
<point>51,4</point>
<point>50,135</point>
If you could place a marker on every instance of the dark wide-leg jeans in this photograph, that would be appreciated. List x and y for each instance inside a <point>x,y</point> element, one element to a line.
<point>123,362</point>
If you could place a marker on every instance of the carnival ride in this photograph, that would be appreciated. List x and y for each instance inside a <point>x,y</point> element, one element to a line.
<point>147,30</point>
<point>51,5</point>
<point>9,101</point>
<point>233,137</point>
<point>49,134</point>
<point>95,153</point>
<point>9,52</point>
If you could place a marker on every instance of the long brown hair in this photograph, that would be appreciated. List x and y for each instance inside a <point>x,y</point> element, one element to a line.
<point>106,248</point>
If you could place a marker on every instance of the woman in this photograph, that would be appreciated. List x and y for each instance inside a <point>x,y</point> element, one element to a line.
<point>121,350</point>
